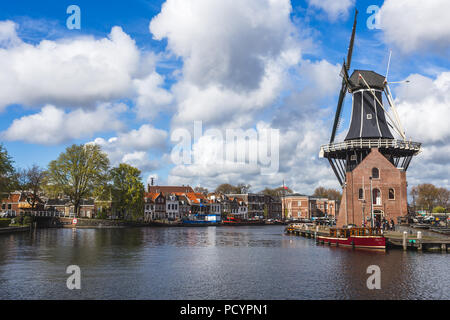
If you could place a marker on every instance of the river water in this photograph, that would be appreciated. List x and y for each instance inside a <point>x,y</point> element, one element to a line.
<point>256,262</point>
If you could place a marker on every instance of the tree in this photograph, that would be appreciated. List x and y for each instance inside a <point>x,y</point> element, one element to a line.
<point>226,188</point>
<point>439,209</point>
<point>331,194</point>
<point>443,197</point>
<point>201,190</point>
<point>242,188</point>
<point>30,181</point>
<point>427,195</point>
<point>78,171</point>
<point>128,190</point>
<point>6,172</point>
<point>277,192</point>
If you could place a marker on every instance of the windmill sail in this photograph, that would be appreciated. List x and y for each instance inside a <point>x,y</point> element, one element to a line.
<point>344,87</point>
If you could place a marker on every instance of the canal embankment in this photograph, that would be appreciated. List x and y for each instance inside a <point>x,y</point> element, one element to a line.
<point>6,230</point>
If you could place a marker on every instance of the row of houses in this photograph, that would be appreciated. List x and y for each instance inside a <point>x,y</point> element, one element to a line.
<point>178,202</point>
<point>20,202</point>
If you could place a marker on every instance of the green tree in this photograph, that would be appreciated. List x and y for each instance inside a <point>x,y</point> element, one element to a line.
<point>438,209</point>
<point>6,172</point>
<point>128,190</point>
<point>78,171</point>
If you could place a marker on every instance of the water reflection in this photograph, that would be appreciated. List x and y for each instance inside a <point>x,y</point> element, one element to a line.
<point>257,262</point>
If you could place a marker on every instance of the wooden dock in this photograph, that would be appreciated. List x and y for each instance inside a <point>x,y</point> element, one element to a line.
<point>394,239</point>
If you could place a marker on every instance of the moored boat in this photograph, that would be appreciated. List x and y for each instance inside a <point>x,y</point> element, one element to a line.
<point>201,219</point>
<point>370,238</point>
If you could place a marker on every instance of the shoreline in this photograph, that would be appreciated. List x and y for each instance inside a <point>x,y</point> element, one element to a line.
<point>8,230</point>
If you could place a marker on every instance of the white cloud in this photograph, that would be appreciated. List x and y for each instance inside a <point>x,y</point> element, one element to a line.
<point>335,9</point>
<point>302,131</point>
<point>75,72</point>
<point>52,125</point>
<point>151,98</point>
<point>140,160</point>
<point>423,106</point>
<point>133,147</point>
<point>8,34</point>
<point>235,56</point>
<point>416,25</point>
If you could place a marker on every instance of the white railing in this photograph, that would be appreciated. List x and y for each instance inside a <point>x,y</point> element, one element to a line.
<point>47,214</point>
<point>370,143</point>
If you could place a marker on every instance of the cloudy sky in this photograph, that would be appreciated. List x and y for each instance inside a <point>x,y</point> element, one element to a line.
<point>139,70</point>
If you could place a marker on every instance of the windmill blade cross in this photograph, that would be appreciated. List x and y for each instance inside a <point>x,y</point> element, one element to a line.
<point>344,87</point>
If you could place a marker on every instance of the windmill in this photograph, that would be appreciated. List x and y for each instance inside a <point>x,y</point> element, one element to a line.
<point>371,123</point>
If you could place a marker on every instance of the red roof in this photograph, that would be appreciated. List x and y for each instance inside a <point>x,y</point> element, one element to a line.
<point>170,189</point>
<point>151,195</point>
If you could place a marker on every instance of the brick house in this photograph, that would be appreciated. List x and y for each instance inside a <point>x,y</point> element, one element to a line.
<point>295,206</point>
<point>19,202</point>
<point>300,206</point>
<point>154,206</point>
<point>272,207</point>
<point>255,204</point>
<point>388,196</point>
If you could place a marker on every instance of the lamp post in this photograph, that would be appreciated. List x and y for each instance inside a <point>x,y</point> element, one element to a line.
<point>363,214</point>
<point>371,203</point>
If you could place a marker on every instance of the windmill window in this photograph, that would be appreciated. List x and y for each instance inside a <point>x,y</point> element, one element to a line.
<point>361,194</point>
<point>375,173</point>
<point>391,194</point>
<point>369,116</point>
<point>376,197</point>
<point>353,157</point>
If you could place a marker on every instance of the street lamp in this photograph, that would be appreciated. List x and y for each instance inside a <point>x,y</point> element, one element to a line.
<point>371,203</point>
<point>363,214</point>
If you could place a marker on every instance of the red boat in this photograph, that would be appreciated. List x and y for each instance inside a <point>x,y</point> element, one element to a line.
<point>231,220</point>
<point>370,238</point>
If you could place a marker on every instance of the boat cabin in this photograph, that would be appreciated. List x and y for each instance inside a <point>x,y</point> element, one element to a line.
<point>354,232</point>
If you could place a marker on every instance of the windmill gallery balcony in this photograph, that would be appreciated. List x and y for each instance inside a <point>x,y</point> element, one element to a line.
<point>335,149</point>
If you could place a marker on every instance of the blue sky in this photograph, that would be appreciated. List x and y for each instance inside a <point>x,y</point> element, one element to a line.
<point>201,61</point>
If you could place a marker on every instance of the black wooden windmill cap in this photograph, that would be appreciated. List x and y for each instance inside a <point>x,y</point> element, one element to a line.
<point>373,79</point>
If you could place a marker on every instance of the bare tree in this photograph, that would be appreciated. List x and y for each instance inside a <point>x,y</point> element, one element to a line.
<point>30,182</point>
<point>201,190</point>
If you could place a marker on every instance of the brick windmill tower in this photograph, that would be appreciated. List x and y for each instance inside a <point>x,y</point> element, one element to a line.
<point>370,163</point>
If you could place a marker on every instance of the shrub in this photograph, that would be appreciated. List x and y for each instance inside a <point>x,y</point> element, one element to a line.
<point>438,209</point>
<point>19,219</point>
<point>27,220</point>
<point>5,222</point>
